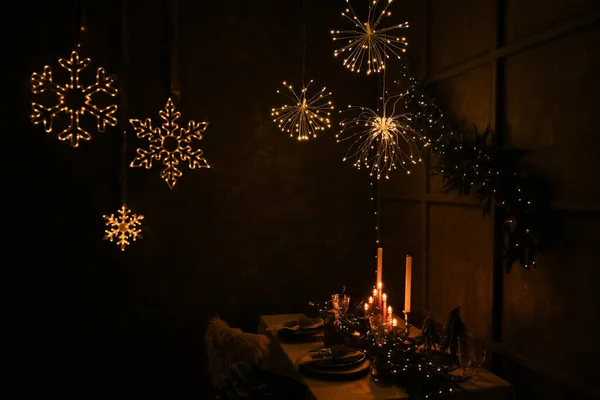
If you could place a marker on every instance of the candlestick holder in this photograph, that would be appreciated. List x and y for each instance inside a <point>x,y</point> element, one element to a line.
<point>406,323</point>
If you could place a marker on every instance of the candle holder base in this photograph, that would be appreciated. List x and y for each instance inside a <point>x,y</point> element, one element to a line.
<point>406,324</point>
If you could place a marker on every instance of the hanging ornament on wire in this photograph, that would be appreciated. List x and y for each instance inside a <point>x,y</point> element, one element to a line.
<point>62,106</point>
<point>363,47</point>
<point>126,226</point>
<point>382,139</point>
<point>308,111</point>
<point>170,144</point>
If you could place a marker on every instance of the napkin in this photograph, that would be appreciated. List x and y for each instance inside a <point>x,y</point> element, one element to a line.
<point>304,322</point>
<point>332,356</point>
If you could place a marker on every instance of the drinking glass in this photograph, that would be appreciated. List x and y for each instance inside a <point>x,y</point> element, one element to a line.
<point>378,328</point>
<point>340,302</point>
<point>465,352</point>
<point>479,353</point>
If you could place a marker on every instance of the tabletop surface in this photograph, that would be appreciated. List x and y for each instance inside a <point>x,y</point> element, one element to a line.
<point>283,356</point>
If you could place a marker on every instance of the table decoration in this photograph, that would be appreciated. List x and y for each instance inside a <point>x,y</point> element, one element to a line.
<point>454,328</point>
<point>337,362</point>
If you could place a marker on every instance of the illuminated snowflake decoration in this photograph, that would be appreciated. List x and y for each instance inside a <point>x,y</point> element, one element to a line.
<point>381,140</point>
<point>306,115</point>
<point>81,97</point>
<point>169,145</point>
<point>124,227</point>
<point>368,46</point>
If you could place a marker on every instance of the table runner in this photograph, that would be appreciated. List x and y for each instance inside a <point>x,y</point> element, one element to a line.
<point>282,358</point>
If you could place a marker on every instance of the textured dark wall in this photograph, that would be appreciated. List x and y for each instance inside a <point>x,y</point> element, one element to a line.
<point>529,69</point>
<point>273,224</point>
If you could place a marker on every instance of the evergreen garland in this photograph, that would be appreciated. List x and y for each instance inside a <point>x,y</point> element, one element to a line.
<point>478,164</point>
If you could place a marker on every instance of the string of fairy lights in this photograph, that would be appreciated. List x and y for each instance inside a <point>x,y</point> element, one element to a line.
<point>393,136</point>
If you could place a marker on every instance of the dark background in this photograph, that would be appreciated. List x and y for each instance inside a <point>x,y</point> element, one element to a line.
<point>276,223</point>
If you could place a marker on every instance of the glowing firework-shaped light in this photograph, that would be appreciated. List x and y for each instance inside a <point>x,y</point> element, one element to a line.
<point>381,141</point>
<point>368,45</point>
<point>306,114</point>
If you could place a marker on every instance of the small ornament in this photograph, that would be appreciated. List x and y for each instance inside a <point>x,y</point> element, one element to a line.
<point>366,46</point>
<point>124,227</point>
<point>306,115</point>
<point>452,330</point>
<point>73,99</point>
<point>429,334</point>
<point>169,145</point>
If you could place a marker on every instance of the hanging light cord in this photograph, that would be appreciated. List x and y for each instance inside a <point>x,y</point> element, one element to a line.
<point>303,42</point>
<point>174,85</point>
<point>79,11</point>
<point>123,101</point>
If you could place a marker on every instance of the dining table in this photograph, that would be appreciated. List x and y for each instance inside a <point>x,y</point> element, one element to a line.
<point>282,359</point>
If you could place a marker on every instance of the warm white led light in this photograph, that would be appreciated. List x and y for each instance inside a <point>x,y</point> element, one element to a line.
<point>45,115</point>
<point>169,145</point>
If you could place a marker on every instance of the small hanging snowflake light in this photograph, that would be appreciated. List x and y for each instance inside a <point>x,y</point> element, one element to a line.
<point>169,144</point>
<point>381,140</point>
<point>124,227</point>
<point>365,46</point>
<point>306,115</point>
<point>73,99</point>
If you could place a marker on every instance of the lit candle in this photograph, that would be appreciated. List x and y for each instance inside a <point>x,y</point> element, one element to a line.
<point>380,264</point>
<point>389,312</point>
<point>379,290</point>
<point>370,299</point>
<point>384,296</point>
<point>407,284</point>
<point>375,294</point>
<point>394,326</point>
<point>366,309</point>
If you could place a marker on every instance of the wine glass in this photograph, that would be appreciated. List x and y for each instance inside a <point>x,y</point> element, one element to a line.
<point>378,328</point>
<point>465,351</point>
<point>479,353</point>
<point>340,302</point>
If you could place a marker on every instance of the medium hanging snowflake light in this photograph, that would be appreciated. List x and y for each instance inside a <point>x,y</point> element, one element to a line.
<point>169,145</point>
<point>306,114</point>
<point>382,140</point>
<point>367,46</point>
<point>72,99</point>
<point>124,227</point>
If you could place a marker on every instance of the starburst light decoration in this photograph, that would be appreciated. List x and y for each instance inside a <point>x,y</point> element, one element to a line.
<point>369,45</point>
<point>73,99</point>
<point>124,227</point>
<point>382,140</point>
<point>169,145</point>
<point>306,115</point>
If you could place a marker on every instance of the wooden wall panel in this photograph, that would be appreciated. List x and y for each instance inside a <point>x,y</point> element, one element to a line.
<point>402,184</point>
<point>460,30</point>
<point>551,312</point>
<point>401,235</point>
<point>527,17</point>
<point>549,110</point>
<point>460,265</point>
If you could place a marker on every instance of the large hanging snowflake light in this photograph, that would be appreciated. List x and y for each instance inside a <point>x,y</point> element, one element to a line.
<point>73,99</point>
<point>306,115</point>
<point>169,145</point>
<point>124,227</point>
<point>381,140</point>
<point>369,45</point>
